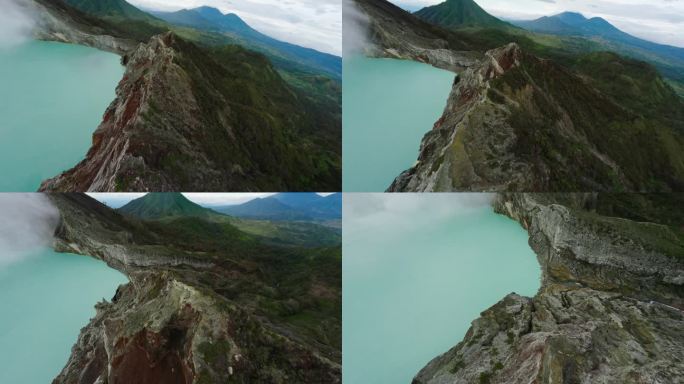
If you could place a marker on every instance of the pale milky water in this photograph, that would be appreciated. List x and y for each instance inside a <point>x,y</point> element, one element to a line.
<point>414,279</point>
<point>388,106</point>
<point>52,98</point>
<point>46,299</point>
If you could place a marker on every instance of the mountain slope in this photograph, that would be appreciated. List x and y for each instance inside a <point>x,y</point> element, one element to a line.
<point>289,206</point>
<point>516,121</point>
<point>459,13</point>
<point>211,19</point>
<point>268,208</point>
<point>576,24</point>
<point>241,127</point>
<point>204,303</point>
<point>159,205</point>
<point>316,206</point>
<point>669,59</point>
<point>110,9</point>
<point>521,123</point>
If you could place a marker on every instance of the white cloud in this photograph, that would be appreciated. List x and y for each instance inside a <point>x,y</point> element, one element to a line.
<point>660,21</point>
<point>28,224</point>
<point>117,200</point>
<point>311,23</point>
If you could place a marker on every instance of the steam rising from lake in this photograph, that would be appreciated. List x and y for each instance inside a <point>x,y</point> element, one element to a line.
<point>16,23</point>
<point>28,224</point>
<point>404,212</point>
<point>355,29</point>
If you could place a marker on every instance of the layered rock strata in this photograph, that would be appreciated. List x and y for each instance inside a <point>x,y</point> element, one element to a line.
<point>170,324</point>
<point>610,308</point>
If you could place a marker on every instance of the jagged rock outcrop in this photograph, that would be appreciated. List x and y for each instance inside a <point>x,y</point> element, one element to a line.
<point>182,121</point>
<point>190,118</point>
<point>472,140</point>
<point>185,317</point>
<point>121,145</point>
<point>520,123</point>
<point>531,119</point>
<point>610,309</point>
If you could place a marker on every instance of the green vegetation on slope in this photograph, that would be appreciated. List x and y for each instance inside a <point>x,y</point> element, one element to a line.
<point>158,205</point>
<point>110,9</point>
<point>280,131</point>
<point>459,13</point>
<point>643,134</point>
<point>189,223</point>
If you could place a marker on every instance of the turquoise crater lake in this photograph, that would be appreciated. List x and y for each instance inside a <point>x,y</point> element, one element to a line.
<point>52,99</point>
<point>389,105</point>
<point>46,299</point>
<point>418,269</point>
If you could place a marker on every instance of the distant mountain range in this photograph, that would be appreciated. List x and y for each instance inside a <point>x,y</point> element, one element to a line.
<point>289,206</point>
<point>287,219</point>
<point>575,24</point>
<point>231,26</point>
<point>280,207</point>
<point>567,32</point>
<point>211,19</point>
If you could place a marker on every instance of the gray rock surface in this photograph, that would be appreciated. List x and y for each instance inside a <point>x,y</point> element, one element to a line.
<point>170,324</point>
<point>610,308</point>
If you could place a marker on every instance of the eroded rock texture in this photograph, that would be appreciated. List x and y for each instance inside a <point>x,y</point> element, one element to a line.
<point>191,316</point>
<point>610,308</point>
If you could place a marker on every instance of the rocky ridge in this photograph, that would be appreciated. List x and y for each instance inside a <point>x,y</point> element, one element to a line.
<point>170,324</point>
<point>609,310</point>
<point>520,122</point>
<point>190,118</point>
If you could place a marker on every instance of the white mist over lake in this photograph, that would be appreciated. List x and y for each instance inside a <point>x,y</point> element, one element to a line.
<point>16,23</point>
<point>418,269</point>
<point>27,224</point>
<point>46,297</point>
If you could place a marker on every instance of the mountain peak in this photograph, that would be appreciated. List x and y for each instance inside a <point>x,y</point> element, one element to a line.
<point>458,13</point>
<point>208,11</point>
<point>571,18</point>
<point>159,205</point>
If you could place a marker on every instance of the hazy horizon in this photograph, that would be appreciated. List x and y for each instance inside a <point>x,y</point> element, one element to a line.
<point>315,24</point>
<point>660,21</point>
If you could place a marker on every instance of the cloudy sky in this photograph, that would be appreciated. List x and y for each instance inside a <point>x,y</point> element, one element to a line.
<point>311,23</point>
<point>661,21</point>
<point>117,200</point>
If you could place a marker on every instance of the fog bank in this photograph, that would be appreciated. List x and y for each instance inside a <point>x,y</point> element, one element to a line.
<point>27,224</point>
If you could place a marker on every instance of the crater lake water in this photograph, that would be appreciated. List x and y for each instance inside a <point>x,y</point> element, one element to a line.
<point>418,269</point>
<point>52,98</point>
<point>389,105</point>
<point>46,299</point>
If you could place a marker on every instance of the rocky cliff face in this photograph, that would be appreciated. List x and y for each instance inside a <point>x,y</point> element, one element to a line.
<point>185,317</point>
<point>187,118</point>
<point>518,122</point>
<point>610,308</point>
